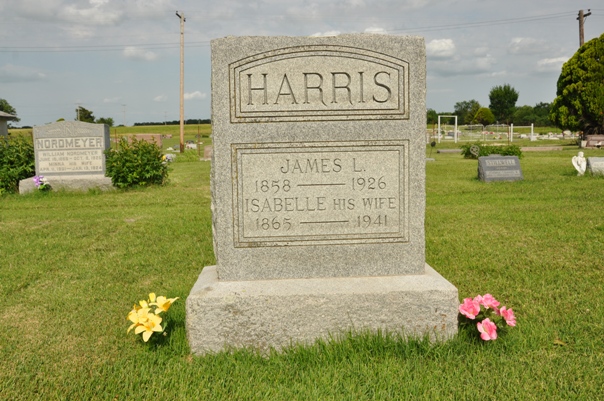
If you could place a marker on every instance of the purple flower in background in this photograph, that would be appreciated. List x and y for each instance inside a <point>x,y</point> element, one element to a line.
<point>41,183</point>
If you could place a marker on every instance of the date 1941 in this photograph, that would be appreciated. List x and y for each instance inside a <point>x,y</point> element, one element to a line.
<point>367,221</point>
<point>286,224</point>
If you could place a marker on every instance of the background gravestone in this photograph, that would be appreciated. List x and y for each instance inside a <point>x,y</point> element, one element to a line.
<point>318,194</point>
<point>595,165</point>
<point>70,155</point>
<point>499,168</point>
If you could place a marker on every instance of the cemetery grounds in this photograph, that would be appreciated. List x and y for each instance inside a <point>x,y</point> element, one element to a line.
<point>73,264</point>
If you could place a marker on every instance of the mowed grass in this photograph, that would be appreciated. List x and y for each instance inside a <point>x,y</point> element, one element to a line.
<point>72,265</point>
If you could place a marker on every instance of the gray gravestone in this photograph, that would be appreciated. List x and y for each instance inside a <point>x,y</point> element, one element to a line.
<point>69,154</point>
<point>318,194</point>
<point>595,165</point>
<point>499,168</point>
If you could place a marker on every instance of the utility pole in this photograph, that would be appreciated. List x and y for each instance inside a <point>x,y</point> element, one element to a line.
<point>581,19</point>
<point>181,15</point>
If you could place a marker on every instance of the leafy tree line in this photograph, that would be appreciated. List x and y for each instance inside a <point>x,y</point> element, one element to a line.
<point>578,106</point>
<point>177,122</point>
<point>85,115</point>
<point>502,109</point>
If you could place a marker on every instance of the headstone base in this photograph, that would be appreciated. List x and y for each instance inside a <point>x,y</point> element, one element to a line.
<point>276,313</point>
<point>68,183</point>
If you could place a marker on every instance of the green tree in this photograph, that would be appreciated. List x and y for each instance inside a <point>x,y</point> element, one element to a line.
<point>503,102</point>
<point>466,110</point>
<point>484,116</point>
<point>524,115</point>
<point>84,115</point>
<point>431,117</point>
<point>103,120</point>
<point>538,115</point>
<point>7,108</point>
<point>579,104</point>
<point>542,111</point>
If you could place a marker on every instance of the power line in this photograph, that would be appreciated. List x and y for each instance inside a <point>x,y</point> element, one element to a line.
<point>96,48</point>
<point>484,23</point>
<point>206,43</point>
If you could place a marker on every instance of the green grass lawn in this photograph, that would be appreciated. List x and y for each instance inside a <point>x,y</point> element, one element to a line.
<point>72,265</point>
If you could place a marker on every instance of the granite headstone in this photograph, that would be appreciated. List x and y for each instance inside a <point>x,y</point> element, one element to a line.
<point>499,168</point>
<point>70,155</point>
<point>318,194</point>
<point>595,165</point>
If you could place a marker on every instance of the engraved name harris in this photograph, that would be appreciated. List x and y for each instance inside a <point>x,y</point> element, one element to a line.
<point>320,88</point>
<point>318,83</point>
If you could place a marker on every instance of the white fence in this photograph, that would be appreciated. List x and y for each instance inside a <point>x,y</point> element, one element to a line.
<point>475,133</point>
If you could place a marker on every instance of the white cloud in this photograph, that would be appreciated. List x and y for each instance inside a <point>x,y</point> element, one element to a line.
<point>527,46</point>
<point>160,98</point>
<point>328,33</point>
<point>151,8</point>
<point>551,64</point>
<point>464,66</point>
<point>12,73</point>
<point>484,63</point>
<point>375,30</point>
<point>440,48</point>
<point>195,95</point>
<point>481,51</point>
<point>139,54</point>
<point>111,100</point>
<point>95,15</point>
<point>356,3</point>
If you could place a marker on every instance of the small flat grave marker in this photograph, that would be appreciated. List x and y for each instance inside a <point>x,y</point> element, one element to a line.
<point>499,168</point>
<point>595,165</point>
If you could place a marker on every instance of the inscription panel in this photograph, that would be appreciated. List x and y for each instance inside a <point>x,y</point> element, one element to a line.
<point>318,83</point>
<point>320,193</point>
<point>61,161</point>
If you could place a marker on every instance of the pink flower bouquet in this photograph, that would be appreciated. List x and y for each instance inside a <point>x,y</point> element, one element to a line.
<point>485,309</point>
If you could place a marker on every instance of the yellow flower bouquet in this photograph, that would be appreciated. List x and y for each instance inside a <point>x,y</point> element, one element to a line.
<point>147,321</point>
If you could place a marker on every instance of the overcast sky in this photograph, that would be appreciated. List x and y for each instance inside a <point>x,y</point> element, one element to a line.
<point>120,58</point>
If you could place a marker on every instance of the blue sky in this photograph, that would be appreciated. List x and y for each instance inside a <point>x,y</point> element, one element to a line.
<point>120,58</point>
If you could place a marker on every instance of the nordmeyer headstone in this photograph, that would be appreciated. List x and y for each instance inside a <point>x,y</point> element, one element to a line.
<point>595,165</point>
<point>499,168</point>
<point>70,154</point>
<point>318,194</point>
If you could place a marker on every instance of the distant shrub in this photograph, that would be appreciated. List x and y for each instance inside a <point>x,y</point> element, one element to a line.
<point>135,163</point>
<point>485,150</point>
<point>17,162</point>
